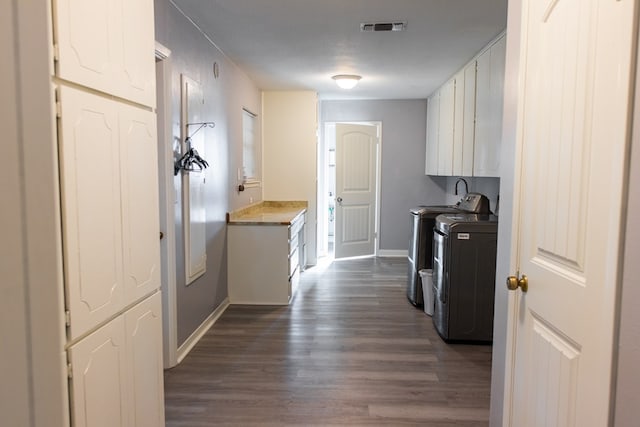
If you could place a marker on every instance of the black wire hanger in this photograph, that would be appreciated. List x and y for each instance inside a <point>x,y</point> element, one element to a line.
<point>191,160</point>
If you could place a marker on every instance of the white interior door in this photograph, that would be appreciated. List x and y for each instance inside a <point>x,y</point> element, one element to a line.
<point>573,121</point>
<point>356,189</point>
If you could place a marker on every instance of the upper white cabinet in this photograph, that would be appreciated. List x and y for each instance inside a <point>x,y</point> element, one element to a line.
<point>446,130</point>
<point>464,122</point>
<point>489,100</point>
<point>464,118</point>
<point>433,125</point>
<point>107,45</point>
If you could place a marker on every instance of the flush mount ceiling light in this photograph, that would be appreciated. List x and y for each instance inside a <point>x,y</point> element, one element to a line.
<point>346,81</point>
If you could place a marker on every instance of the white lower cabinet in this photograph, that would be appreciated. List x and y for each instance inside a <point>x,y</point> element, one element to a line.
<point>264,262</point>
<point>116,371</point>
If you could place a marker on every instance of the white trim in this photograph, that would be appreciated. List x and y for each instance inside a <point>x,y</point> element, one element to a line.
<point>193,339</point>
<point>393,253</point>
<point>166,206</point>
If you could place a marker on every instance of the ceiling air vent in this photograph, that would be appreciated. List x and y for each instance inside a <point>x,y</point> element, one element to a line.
<point>383,26</point>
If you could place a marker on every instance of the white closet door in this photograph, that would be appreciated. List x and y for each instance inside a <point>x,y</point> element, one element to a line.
<point>143,325</point>
<point>91,209</point>
<point>141,240</point>
<point>98,384</point>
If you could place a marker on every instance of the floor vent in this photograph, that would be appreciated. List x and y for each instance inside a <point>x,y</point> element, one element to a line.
<point>383,26</point>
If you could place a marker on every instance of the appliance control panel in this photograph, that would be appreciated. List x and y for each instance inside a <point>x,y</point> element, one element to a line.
<point>474,203</point>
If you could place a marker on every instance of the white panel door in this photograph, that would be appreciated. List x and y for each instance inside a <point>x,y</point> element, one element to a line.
<point>356,188</point>
<point>98,386</point>
<point>445,129</point>
<point>573,122</point>
<point>107,45</point>
<point>433,125</point>
<point>143,324</point>
<point>91,209</point>
<point>140,217</point>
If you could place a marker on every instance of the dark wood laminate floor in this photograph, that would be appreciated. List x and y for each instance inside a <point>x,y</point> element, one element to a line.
<point>349,350</point>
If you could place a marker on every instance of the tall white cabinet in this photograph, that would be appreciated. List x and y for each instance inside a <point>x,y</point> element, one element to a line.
<point>105,91</point>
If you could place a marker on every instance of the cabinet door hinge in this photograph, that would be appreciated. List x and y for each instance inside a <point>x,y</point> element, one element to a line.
<point>69,371</point>
<point>67,318</point>
<point>58,104</point>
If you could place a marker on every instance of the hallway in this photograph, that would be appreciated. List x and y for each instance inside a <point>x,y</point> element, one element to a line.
<point>349,350</point>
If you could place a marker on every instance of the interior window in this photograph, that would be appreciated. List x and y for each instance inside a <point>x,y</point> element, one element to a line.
<point>250,154</point>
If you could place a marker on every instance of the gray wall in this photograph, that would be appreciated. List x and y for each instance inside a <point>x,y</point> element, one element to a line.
<point>193,55</point>
<point>403,182</point>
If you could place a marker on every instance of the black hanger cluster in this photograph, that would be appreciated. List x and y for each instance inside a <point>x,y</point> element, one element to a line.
<point>191,160</point>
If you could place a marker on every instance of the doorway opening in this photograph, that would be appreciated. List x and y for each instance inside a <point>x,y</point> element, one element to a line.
<point>349,189</point>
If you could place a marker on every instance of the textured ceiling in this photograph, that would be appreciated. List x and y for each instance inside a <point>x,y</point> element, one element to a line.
<point>300,44</point>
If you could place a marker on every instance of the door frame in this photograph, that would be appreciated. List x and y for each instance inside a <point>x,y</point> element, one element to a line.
<point>166,207</point>
<point>323,176</point>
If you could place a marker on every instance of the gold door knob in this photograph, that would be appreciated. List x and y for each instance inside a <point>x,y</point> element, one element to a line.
<point>514,283</point>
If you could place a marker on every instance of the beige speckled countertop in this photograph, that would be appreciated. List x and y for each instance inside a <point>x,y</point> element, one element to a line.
<point>267,213</point>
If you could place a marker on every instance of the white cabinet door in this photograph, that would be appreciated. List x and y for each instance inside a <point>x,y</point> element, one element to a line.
<point>143,326</point>
<point>445,133</point>
<point>91,209</point>
<point>117,376</point>
<point>98,385</point>
<point>433,124</point>
<point>136,74</point>
<point>140,233</point>
<point>107,45</point>
<point>489,93</point>
<point>464,126</point>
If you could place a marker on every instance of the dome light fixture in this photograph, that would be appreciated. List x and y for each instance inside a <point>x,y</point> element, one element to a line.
<point>347,81</point>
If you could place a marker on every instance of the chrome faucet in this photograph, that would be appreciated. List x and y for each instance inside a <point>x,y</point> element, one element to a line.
<point>466,186</point>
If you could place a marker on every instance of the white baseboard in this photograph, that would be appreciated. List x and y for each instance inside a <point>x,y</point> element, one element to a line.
<point>393,253</point>
<point>193,339</point>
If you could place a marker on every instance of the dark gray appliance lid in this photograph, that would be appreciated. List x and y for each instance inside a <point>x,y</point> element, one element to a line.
<point>466,223</point>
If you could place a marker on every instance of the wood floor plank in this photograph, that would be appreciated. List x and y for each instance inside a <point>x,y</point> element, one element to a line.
<point>349,350</point>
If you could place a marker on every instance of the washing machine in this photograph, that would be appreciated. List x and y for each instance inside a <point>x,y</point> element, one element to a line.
<point>464,274</point>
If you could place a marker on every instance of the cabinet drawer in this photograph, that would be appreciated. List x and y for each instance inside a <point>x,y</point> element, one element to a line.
<point>296,226</point>
<point>294,260</point>
<point>293,243</point>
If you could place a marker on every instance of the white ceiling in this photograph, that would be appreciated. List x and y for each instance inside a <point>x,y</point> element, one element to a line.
<point>300,44</point>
